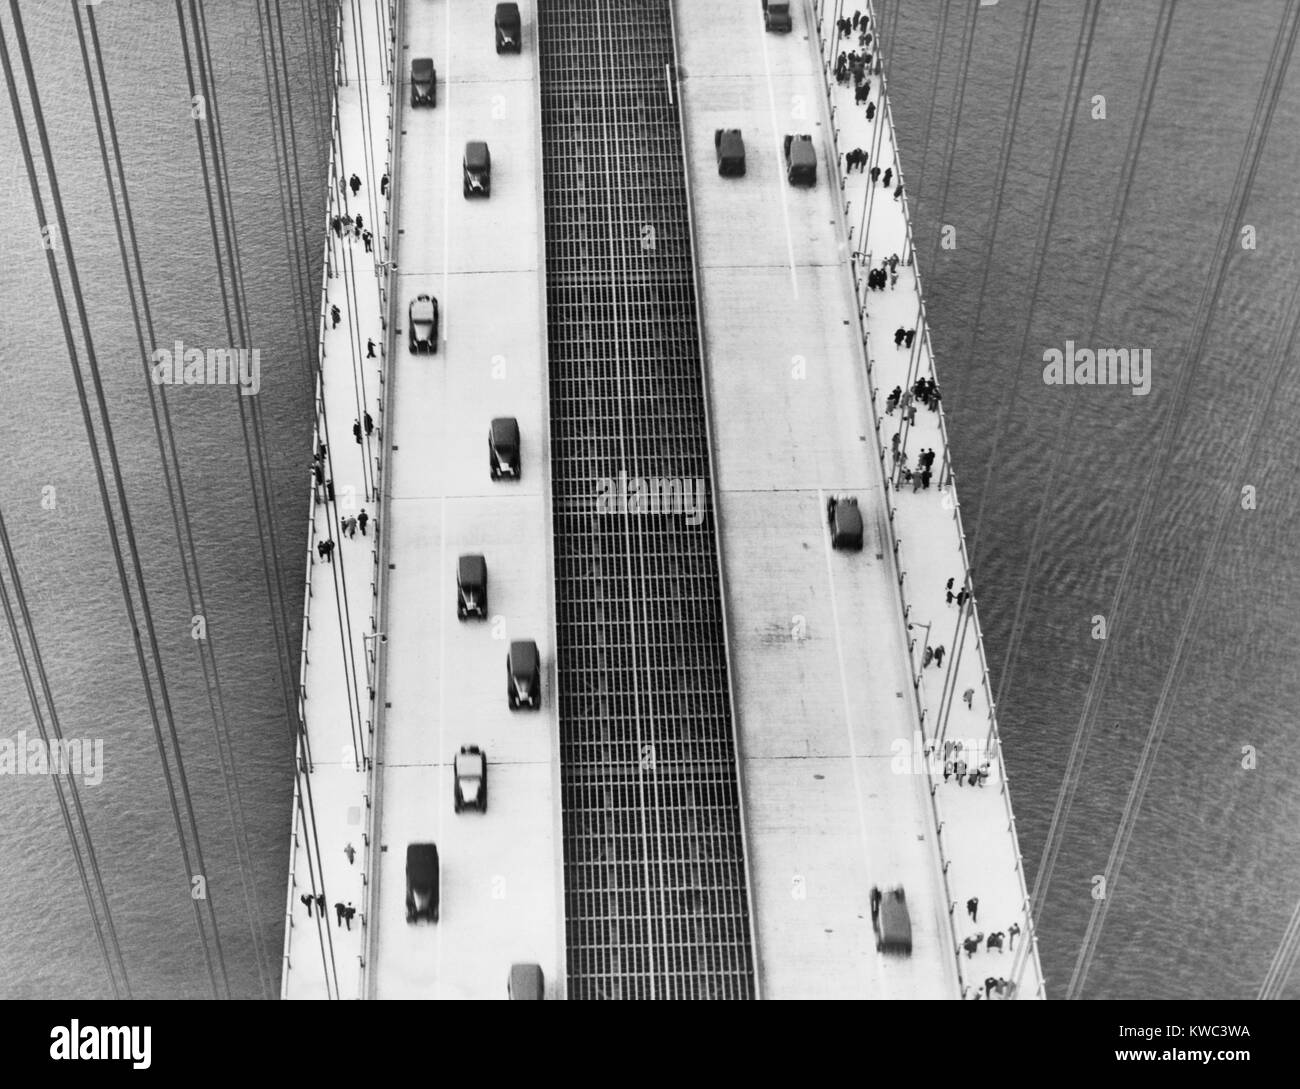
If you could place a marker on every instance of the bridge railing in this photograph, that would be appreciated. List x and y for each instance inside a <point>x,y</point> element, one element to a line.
<point>816,10</point>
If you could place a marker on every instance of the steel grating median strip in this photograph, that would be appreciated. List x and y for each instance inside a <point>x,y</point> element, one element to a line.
<point>656,901</point>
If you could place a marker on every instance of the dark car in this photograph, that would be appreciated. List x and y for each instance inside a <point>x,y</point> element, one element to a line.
<point>523,675</point>
<point>509,34</point>
<point>424,82</point>
<point>526,983</point>
<point>776,16</point>
<point>470,772</point>
<point>421,882</point>
<point>477,168</point>
<point>422,318</point>
<point>471,587</point>
<point>730,146</point>
<point>892,924</point>
<point>503,448</point>
<point>846,524</point>
<point>800,159</point>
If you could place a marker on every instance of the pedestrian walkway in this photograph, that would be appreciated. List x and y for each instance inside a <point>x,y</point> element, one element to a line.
<point>324,950</point>
<point>981,857</point>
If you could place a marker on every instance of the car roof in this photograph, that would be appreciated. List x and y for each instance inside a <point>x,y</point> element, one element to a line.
<point>505,429</point>
<point>523,653</point>
<point>470,761</point>
<point>476,149</point>
<point>422,64</point>
<point>473,568</point>
<point>423,303</point>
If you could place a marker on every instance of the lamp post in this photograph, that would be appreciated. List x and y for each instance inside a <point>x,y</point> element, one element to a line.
<point>924,645</point>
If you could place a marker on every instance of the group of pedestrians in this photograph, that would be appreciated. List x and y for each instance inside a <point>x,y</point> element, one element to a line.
<point>954,763</point>
<point>960,598</point>
<point>903,337</point>
<point>352,522</point>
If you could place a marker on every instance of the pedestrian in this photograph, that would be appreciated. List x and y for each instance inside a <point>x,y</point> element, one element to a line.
<point>329,489</point>
<point>962,595</point>
<point>356,431</point>
<point>934,397</point>
<point>349,525</point>
<point>351,852</point>
<point>959,769</point>
<point>926,476</point>
<point>328,546</point>
<point>320,549</point>
<point>366,238</point>
<point>339,909</point>
<point>875,174</point>
<point>948,584</point>
<point>994,942</point>
<point>383,186</point>
<point>899,334</point>
<point>893,279</point>
<point>947,749</point>
<point>1012,931</point>
<point>369,423</point>
<point>871,115</point>
<point>905,402</point>
<point>892,402</point>
<point>938,656</point>
<point>947,770</point>
<point>320,905</point>
<point>983,773</point>
<point>898,191</point>
<point>907,340</point>
<point>359,227</point>
<point>318,471</point>
<point>307,900</point>
<point>894,443</point>
<point>335,315</point>
<point>973,778</point>
<point>972,944</point>
<point>362,519</point>
<point>916,480</point>
<point>972,908</point>
<point>925,658</point>
<point>348,913</point>
<point>888,178</point>
<point>861,92</point>
<point>355,183</point>
<point>337,224</point>
<point>911,414</point>
<point>347,223</point>
<point>968,696</point>
<point>989,984</point>
<point>370,349</point>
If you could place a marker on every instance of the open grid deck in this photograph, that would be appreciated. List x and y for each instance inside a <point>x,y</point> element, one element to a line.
<point>656,900</point>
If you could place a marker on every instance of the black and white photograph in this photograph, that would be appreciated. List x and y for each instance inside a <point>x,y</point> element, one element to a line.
<point>886,521</point>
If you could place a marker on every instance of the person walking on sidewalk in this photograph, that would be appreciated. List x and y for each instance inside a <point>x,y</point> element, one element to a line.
<point>908,337</point>
<point>369,424</point>
<point>337,224</point>
<point>351,852</point>
<point>938,656</point>
<point>972,908</point>
<point>926,657</point>
<point>875,174</point>
<point>339,909</point>
<point>969,696</point>
<point>320,905</point>
<point>370,349</point>
<point>366,237</point>
<point>335,315</point>
<point>356,431</point>
<point>871,111</point>
<point>355,183</point>
<point>888,178</point>
<point>899,334</point>
<point>1012,931</point>
<point>348,913</point>
<point>307,900</point>
<point>362,519</point>
<point>349,525</point>
<point>960,770</point>
<point>383,186</point>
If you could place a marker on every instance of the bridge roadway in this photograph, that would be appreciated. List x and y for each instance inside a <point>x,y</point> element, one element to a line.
<point>818,647</point>
<point>482,260</point>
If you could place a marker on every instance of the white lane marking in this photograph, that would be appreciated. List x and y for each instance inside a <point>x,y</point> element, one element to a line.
<point>848,717</point>
<point>780,155</point>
